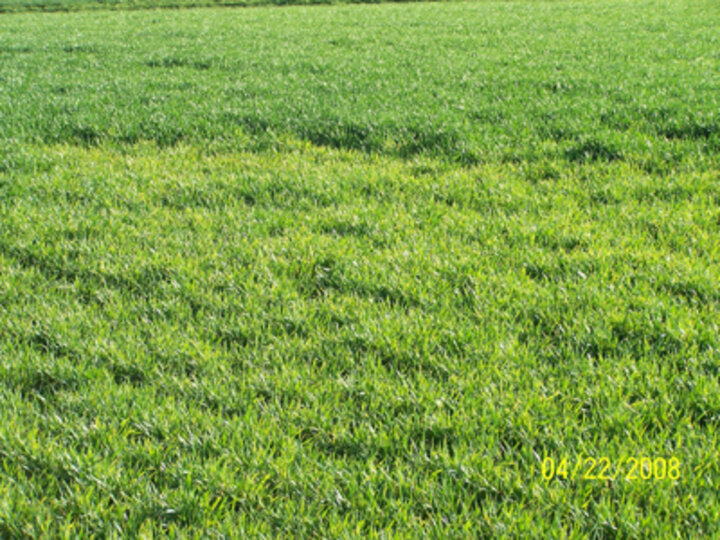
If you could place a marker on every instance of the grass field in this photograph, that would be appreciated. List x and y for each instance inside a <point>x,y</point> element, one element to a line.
<point>19,6</point>
<point>352,271</point>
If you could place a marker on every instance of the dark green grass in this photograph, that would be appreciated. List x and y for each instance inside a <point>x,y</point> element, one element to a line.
<point>477,82</point>
<point>19,6</point>
<point>256,280</point>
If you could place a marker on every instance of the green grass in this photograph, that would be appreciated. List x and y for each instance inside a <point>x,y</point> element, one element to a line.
<point>356,271</point>
<point>19,6</point>
<point>478,82</point>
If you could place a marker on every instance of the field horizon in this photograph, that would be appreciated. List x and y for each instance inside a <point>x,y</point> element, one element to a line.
<point>55,6</point>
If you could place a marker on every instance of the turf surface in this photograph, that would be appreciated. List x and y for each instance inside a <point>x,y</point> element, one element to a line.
<point>19,6</point>
<point>358,271</point>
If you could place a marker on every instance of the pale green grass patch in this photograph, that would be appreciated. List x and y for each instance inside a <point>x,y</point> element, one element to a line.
<point>320,339</point>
